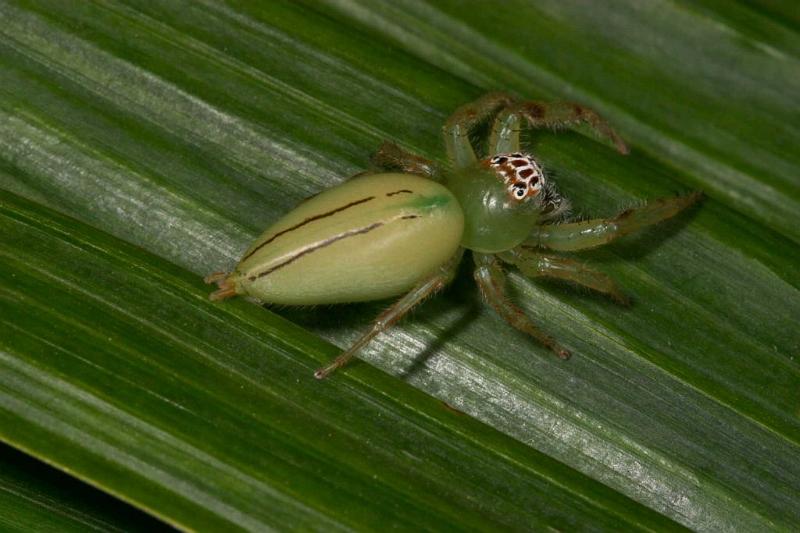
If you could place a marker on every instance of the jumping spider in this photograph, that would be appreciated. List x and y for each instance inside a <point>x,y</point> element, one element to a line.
<point>404,228</point>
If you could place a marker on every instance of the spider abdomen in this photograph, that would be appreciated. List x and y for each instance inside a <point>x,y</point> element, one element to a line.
<point>371,237</point>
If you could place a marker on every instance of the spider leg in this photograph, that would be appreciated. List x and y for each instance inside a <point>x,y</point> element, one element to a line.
<point>504,138</point>
<point>536,264</point>
<point>428,286</point>
<point>227,288</point>
<point>505,133</point>
<point>391,157</point>
<point>461,123</point>
<point>491,281</point>
<point>596,232</point>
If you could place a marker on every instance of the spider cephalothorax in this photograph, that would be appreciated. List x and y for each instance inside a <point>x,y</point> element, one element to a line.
<point>520,173</point>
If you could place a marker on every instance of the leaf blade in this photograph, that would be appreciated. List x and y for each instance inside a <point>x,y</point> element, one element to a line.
<point>309,100</point>
<point>146,407</point>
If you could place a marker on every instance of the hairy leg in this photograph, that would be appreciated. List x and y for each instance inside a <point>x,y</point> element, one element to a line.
<point>391,157</point>
<point>466,118</point>
<point>433,283</point>
<point>491,281</point>
<point>505,133</point>
<point>596,232</point>
<point>537,264</point>
<point>504,138</point>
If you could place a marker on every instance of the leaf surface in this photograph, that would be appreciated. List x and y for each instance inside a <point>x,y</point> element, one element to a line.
<point>186,128</point>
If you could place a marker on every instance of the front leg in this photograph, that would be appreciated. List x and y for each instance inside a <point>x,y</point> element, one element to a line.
<point>505,133</point>
<point>492,282</point>
<point>596,232</point>
<point>433,283</point>
<point>465,119</point>
<point>391,157</point>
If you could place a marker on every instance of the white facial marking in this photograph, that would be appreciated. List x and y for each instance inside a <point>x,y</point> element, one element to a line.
<point>520,173</point>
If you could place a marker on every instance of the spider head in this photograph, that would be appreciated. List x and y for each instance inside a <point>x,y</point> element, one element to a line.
<point>503,197</point>
<point>520,173</point>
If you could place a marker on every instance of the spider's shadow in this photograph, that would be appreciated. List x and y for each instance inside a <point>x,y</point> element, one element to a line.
<point>644,241</point>
<point>461,294</point>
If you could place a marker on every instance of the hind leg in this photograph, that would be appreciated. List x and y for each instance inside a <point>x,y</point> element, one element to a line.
<point>434,283</point>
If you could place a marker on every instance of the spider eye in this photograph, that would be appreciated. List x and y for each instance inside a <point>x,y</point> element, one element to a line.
<point>519,193</point>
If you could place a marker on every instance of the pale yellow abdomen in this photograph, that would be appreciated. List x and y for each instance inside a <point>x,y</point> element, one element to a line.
<point>369,238</point>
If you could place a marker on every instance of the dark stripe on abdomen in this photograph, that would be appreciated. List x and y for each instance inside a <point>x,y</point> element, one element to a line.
<point>316,247</point>
<point>306,221</point>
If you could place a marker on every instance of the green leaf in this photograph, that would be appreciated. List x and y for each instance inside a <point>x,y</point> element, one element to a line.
<point>186,128</point>
<point>32,493</point>
<point>114,364</point>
